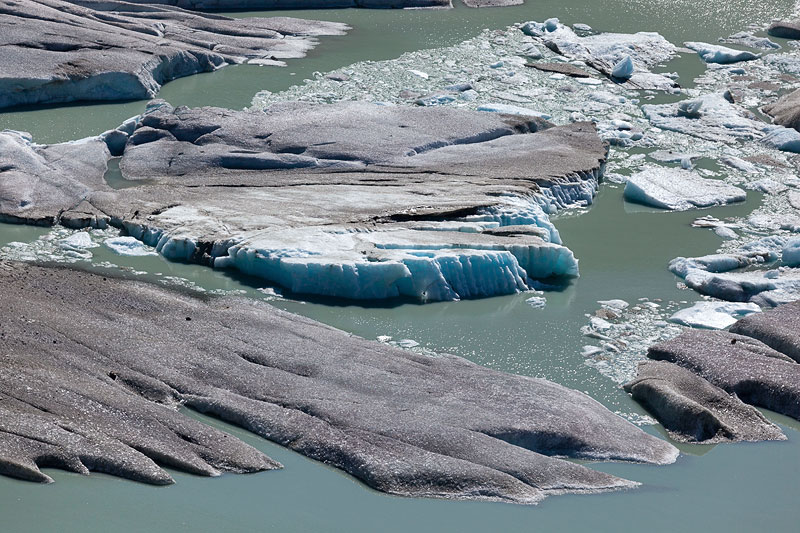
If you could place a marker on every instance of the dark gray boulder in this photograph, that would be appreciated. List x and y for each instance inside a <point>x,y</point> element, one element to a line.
<point>740,365</point>
<point>786,110</point>
<point>693,410</point>
<point>779,329</point>
<point>92,367</point>
<point>785,29</point>
<point>55,51</point>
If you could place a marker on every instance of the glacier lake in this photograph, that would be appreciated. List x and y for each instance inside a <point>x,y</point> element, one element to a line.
<point>623,249</point>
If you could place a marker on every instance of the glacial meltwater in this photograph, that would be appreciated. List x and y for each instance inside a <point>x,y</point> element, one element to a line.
<point>623,249</point>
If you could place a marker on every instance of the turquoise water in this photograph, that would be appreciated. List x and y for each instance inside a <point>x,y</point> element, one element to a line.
<point>623,252</point>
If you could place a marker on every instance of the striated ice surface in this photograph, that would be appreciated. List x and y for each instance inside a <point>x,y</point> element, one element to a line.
<point>713,315</point>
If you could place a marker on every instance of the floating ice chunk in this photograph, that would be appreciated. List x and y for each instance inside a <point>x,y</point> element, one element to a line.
<point>623,70</point>
<point>128,246</point>
<point>790,255</point>
<point>711,117</point>
<point>682,266</point>
<point>537,302</point>
<point>581,27</point>
<point>739,164</point>
<point>748,39</point>
<point>713,315</point>
<point>419,73</point>
<point>551,24</point>
<point>767,186</point>
<point>589,81</point>
<point>615,305</point>
<point>599,324</point>
<point>690,108</point>
<point>784,139</point>
<point>725,232</point>
<point>714,53</point>
<point>589,350</point>
<point>78,241</point>
<point>407,343</point>
<point>679,190</point>
<point>507,109</point>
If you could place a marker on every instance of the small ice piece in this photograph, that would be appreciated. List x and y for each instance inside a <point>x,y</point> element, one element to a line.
<point>507,109</point>
<point>690,108</point>
<point>551,24</point>
<point>407,343</point>
<point>767,186</point>
<point>679,190</point>
<point>714,315</point>
<point>790,255</point>
<point>598,324</point>
<point>384,338</point>
<point>499,64</point>
<point>616,305</point>
<point>423,75</point>
<point>588,81</point>
<point>739,164</point>
<point>714,53</point>
<point>725,232</point>
<point>78,241</point>
<point>589,350</point>
<point>772,274</point>
<point>127,246</point>
<point>581,27</point>
<point>537,302</point>
<point>784,139</point>
<point>623,70</point>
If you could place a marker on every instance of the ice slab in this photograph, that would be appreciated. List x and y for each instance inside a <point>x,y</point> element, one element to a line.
<point>713,315</point>
<point>679,190</point>
<point>713,53</point>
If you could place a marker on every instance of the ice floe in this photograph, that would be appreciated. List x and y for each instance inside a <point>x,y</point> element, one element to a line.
<point>713,315</point>
<point>713,53</point>
<point>678,190</point>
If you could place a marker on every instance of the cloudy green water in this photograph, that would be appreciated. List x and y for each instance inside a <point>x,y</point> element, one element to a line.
<point>623,252</point>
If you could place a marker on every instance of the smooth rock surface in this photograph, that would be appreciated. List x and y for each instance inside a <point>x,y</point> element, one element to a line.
<point>693,410</point>
<point>55,51</point>
<point>81,390</point>
<point>329,199</point>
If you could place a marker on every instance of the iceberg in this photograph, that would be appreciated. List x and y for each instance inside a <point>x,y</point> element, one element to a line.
<point>713,315</point>
<point>624,69</point>
<point>713,53</point>
<point>679,190</point>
